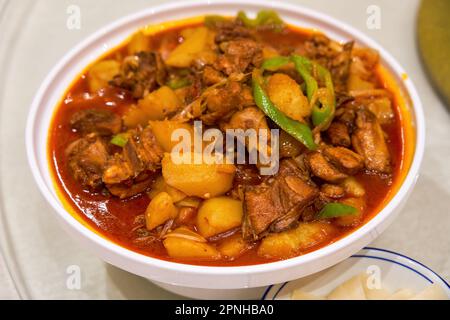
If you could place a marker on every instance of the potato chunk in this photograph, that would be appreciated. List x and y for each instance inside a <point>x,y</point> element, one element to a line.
<point>191,202</point>
<point>101,73</point>
<point>196,43</point>
<point>292,242</point>
<point>161,186</point>
<point>353,188</point>
<point>138,42</point>
<point>163,132</point>
<point>233,246</point>
<point>382,108</point>
<point>218,215</point>
<point>189,246</point>
<point>160,103</point>
<point>157,105</point>
<point>201,180</point>
<point>355,83</point>
<point>160,210</point>
<point>287,96</point>
<point>135,116</point>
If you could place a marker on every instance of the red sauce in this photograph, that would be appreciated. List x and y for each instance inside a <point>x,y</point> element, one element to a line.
<point>114,218</point>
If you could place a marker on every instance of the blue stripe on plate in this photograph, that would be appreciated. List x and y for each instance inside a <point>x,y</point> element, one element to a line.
<point>389,260</point>
<point>279,289</point>
<point>409,258</point>
<point>266,292</point>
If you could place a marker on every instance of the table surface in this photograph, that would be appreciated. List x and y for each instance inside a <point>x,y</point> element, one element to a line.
<point>36,253</point>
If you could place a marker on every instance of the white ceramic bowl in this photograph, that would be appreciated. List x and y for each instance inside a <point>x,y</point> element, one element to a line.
<point>184,275</point>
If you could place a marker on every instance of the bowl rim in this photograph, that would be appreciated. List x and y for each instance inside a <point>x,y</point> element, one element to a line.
<point>373,226</point>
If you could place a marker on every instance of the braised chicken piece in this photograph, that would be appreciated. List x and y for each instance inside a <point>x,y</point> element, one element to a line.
<point>368,141</point>
<point>339,134</point>
<point>278,201</point>
<point>344,159</point>
<point>343,98</point>
<point>99,121</point>
<point>346,115</point>
<point>141,73</point>
<point>339,66</point>
<point>131,188</point>
<point>212,76</point>
<point>141,153</point>
<point>248,118</point>
<point>223,101</point>
<point>333,164</point>
<point>332,56</point>
<point>289,146</point>
<point>87,158</point>
<point>231,30</point>
<point>238,56</point>
<point>131,172</point>
<point>247,175</point>
<point>124,174</point>
<point>321,167</point>
<point>332,191</point>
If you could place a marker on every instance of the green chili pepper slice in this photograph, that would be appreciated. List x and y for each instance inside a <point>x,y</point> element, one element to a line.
<point>323,113</point>
<point>212,21</point>
<point>298,130</point>
<point>120,139</point>
<point>274,63</point>
<point>304,67</point>
<point>178,83</point>
<point>263,18</point>
<point>335,209</point>
<point>323,110</point>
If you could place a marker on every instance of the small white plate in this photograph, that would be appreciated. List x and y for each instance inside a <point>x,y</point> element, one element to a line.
<point>397,271</point>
